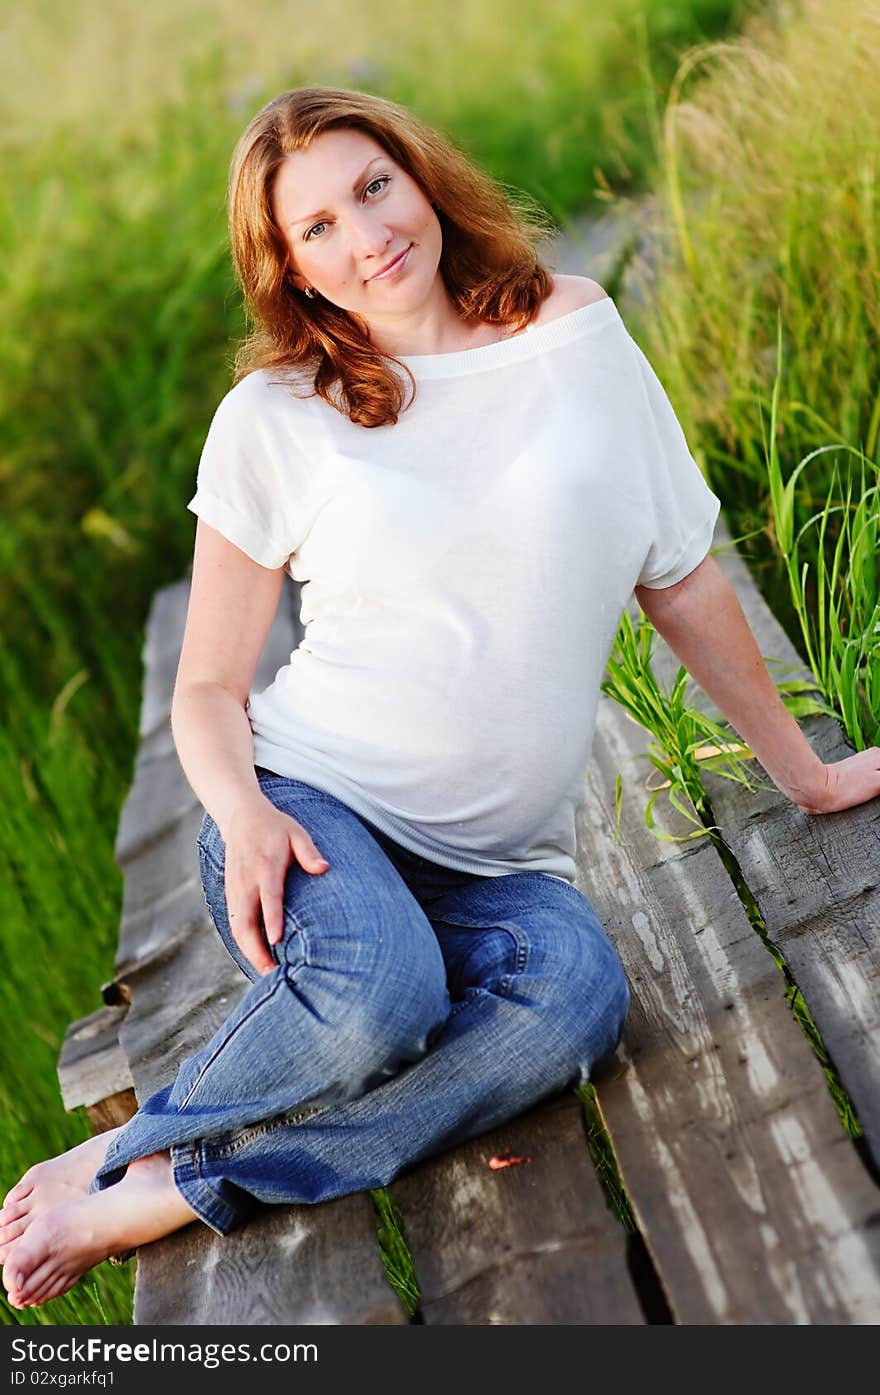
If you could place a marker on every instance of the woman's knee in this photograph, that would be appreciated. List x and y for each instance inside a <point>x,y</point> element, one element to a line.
<point>370,961</point>
<point>357,958</point>
<point>357,943</point>
<point>386,1033</point>
<point>357,919</point>
<point>580,981</point>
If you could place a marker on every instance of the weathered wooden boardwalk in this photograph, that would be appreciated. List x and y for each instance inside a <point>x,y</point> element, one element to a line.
<point>753,1205</point>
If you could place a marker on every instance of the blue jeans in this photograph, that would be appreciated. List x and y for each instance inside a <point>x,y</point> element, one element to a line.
<point>413,1007</point>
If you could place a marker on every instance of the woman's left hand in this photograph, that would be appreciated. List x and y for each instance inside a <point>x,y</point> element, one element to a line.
<point>848,782</point>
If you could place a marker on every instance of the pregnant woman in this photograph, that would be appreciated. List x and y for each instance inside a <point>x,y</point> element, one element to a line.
<point>470,466</point>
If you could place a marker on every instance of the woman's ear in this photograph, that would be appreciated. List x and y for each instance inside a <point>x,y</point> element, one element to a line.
<point>295,279</point>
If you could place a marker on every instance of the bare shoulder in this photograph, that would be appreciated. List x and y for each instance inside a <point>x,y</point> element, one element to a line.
<point>569,293</point>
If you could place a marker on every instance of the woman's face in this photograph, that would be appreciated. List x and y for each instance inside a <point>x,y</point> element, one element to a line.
<point>346,211</point>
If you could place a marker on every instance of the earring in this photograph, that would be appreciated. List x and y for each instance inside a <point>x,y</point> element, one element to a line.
<point>311,292</point>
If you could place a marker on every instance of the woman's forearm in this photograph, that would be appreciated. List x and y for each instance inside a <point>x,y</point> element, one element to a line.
<point>215,745</point>
<point>702,621</point>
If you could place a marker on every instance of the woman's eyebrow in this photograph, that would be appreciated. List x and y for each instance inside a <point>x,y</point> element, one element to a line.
<point>322,213</point>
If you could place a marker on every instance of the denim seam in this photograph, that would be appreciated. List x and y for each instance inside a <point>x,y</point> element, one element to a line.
<point>267,997</point>
<point>462,1003</point>
<point>521,947</point>
<point>196,1192</point>
<point>520,943</point>
<point>302,937</point>
<point>210,910</point>
<point>221,1151</point>
<point>218,867</point>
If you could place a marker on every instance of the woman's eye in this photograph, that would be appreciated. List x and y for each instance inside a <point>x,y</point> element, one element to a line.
<point>312,229</point>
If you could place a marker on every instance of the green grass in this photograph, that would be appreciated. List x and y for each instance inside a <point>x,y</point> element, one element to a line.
<point>766,291</point>
<point>395,1251</point>
<point>833,576</point>
<point>601,1151</point>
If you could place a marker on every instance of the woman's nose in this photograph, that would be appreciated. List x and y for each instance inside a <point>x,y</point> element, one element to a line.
<point>369,237</point>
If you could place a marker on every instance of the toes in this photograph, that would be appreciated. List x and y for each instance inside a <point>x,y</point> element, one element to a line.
<point>50,1280</point>
<point>32,1297</point>
<point>44,1261</point>
<point>26,1258</point>
<point>12,1212</point>
<point>28,1283</point>
<point>12,1282</point>
<point>12,1234</point>
<point>19,1191</point>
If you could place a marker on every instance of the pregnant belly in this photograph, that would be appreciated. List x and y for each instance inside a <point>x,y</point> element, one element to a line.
<point>488,757</point>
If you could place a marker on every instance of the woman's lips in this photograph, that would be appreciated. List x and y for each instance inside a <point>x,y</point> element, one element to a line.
<point>397,265</point>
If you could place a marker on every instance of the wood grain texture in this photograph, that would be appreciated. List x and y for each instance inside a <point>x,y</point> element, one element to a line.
<point>92,1064</point>
<point>531,1243</point>
<point>816,878</point>
<point>289,1264</point>
<point>162,900</point>
<point>93,1070</point>
<point>751,1198</point>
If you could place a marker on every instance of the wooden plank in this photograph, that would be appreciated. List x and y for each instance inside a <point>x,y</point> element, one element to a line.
<point>288,1265</point>
<point>92,1063</point>
<point>93,1070</point>
<point>182,984</point>
<point>156,802</point>
<point>162,900</point>
<point>530,1243</point>
<point>814,877</point>
<point>751,1198</point>
<point>112,1111</point>
<point>816,881</point>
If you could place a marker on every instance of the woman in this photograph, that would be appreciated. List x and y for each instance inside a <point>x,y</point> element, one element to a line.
<point>485,470</point>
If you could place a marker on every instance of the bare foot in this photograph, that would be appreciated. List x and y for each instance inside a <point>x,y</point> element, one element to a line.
<point>48,1184</point>
<point>64,1241</point>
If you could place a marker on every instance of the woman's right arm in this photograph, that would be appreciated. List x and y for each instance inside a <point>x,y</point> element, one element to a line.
<point>232,604</point>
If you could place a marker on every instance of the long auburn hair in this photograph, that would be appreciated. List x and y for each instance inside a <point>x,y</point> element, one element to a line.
<point>488,262</point>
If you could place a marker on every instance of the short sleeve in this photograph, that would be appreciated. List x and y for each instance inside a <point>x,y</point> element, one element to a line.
<point>681,509</point>
<point>250,479</point>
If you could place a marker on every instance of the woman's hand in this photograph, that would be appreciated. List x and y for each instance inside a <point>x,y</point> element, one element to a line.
<point>848,782</point>
<point>260,841</point>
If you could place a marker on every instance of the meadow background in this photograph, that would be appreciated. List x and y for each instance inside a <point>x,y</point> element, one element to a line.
<point>756,126</point>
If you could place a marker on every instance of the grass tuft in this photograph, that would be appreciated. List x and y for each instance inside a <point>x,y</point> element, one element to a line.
<point>395,1251</point>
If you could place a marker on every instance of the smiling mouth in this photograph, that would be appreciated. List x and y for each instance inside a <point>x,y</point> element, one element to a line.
<point>392,266</point>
